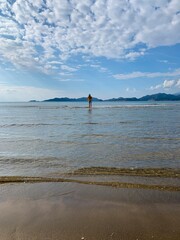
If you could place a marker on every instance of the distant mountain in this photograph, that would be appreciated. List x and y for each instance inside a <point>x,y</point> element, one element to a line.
<point>154,97</point>
<point>65,99</point>
<point>160,97</point>
<point>122,99</point>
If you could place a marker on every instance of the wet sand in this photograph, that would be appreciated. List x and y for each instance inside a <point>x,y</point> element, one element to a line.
<point>164,179</point>
<point>144,172</point>
<point>69,210</point>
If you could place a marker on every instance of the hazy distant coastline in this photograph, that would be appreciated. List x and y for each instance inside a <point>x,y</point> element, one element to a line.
<point>154,97</point>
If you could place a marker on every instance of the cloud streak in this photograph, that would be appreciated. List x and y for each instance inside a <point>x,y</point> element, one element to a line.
<point>33,34</point>
<point>146,75</point>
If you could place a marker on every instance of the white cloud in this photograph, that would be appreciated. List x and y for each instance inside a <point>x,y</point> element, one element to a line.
<point>167,84</point>
<point>163,61</point>
<point>71,80</point>
<point>156,87</point>
<point>133,55</point>
<point>55,62</point>
<point>10,69</point>
<point>99,68</point>
<point>146,74</point>
<point>131,90</point>
<point>68,69</point>
<point>65,74</point>
<point>178,83</point>
<point>54,30</point>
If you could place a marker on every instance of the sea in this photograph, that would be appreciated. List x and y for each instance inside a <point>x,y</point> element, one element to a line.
<point>49,138</point>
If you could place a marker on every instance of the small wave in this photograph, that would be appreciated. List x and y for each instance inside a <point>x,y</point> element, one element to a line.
<point>50,107</point>
<point>26,125</point>
<point>127,122</point>
<point>96,135</point>
<point>24,179</point>
<point>83,105</point>
<point>160,138</point>
<point>127,106</point>
<point>29,160</point>
<point>91,123</point>
<point>133,106</point>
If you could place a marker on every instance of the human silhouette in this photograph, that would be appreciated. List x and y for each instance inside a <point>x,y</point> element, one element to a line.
<point>89,98</point>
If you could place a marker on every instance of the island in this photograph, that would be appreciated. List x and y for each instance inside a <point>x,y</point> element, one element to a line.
<point>153,97</point>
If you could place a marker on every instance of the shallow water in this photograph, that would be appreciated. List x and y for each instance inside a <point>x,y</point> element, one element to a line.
<point>44,139</point>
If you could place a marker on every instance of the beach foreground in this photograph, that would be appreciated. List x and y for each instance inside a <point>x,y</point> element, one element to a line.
<point>67,210</point>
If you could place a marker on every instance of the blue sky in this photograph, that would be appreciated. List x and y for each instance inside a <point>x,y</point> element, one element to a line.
<point>109,48</point>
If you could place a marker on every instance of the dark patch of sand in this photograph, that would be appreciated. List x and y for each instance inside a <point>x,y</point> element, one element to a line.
<point>144,172</point>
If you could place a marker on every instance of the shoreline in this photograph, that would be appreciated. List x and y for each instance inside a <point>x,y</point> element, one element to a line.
<point>15,179</point>
<point>94,176</point>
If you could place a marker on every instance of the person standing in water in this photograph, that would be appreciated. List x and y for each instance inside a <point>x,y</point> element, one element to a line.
<point>89,98</point>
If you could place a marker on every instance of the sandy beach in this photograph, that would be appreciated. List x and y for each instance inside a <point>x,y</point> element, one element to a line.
<point>35,211</point>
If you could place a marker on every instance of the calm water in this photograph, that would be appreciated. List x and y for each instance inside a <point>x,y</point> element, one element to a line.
<point>49,138</point>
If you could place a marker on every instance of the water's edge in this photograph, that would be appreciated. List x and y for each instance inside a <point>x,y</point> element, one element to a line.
<point>168,173</point>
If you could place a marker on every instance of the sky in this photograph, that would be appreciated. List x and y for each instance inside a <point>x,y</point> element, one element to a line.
<point>70,48</point>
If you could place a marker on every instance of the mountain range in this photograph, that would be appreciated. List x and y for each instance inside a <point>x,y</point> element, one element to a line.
<point>154,97</point>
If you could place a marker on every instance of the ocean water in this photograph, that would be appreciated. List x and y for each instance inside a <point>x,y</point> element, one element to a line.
<point>45,139</point>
